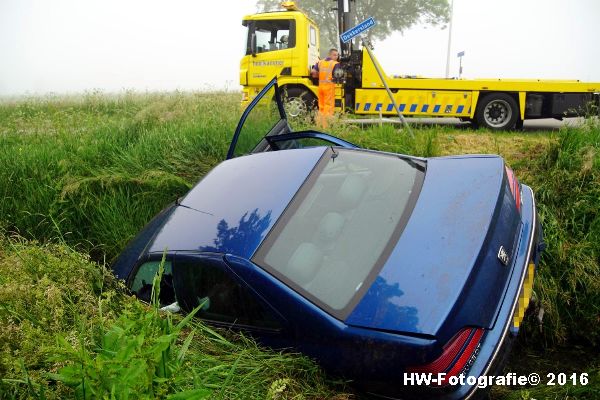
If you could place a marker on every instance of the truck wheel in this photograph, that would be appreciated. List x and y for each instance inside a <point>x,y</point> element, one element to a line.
<point>497,111</point>
<point>298,102</point>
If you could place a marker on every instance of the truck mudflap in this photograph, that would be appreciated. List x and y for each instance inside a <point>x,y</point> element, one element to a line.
<point>569,104</point>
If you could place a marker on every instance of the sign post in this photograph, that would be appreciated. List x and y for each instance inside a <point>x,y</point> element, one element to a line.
<point>357,30</point>
<point>460,56</point>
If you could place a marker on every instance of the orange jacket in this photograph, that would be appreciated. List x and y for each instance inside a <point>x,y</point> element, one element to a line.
<point>326,68</point>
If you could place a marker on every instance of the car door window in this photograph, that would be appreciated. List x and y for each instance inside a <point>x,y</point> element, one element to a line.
<point>302,140</point>
<point>143,278</point>
<point>300,143</point>
<point>264,116</point>
<point>223,297</point>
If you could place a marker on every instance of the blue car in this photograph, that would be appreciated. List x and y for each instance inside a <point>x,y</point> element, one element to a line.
<point>396,272</point>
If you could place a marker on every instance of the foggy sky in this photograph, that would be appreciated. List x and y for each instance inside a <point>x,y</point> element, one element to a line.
<point>71,46</point>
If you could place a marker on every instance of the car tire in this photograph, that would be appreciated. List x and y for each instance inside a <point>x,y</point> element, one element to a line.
<point>298,102</point>
<point>497,112</point>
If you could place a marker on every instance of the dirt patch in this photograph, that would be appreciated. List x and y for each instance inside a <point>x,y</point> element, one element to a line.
<point>514,147</point>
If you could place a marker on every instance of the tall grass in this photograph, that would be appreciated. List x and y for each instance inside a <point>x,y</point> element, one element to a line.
<point>566,180</point>
<point>96,169</point>
<point>92,171</point>
<point>385,137</point>
<point>67,330</point>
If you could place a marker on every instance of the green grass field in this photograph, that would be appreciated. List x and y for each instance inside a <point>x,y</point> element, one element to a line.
<point>80,176</point>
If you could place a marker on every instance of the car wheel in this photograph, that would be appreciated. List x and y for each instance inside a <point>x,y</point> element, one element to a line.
<point>298,102</point>
<point>497,111</point>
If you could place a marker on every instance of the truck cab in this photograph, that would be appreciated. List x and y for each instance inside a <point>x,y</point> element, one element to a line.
<point>282,44</point>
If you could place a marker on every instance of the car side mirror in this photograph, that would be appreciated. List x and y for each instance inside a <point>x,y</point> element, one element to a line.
<point>204,303</point>
<point>253,45</point>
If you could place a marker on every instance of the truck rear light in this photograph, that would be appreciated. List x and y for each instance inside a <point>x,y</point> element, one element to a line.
<point>458,355</point>
<point>515,187</point>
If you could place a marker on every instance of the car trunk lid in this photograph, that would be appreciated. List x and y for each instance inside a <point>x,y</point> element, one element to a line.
<point>444,273</point>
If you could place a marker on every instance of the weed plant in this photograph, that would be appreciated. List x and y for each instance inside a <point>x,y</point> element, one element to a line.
<point>67,329</point>
<point>566,179</point>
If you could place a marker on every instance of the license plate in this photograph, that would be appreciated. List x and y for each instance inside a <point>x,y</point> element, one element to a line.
<point>524,296</point>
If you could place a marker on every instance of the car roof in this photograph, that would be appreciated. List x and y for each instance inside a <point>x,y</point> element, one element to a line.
<point>235,205</point>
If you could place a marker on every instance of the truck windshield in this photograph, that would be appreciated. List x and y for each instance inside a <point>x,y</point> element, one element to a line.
<point>271,35</point>
<point>337,233</point>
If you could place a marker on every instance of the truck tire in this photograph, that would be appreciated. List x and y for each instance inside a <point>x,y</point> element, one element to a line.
<point>497,112</point>
<point>298,102</point>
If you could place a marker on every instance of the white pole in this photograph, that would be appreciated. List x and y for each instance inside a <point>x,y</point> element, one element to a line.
<point>449,40</point>
<point>387,88</point>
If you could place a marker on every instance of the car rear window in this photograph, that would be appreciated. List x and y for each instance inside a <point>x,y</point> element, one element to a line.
<point>339,229</point>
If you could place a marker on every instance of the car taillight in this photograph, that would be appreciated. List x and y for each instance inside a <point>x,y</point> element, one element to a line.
<point>457,357</point>
<point>515,187</point>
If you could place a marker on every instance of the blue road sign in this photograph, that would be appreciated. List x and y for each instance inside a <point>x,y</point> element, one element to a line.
<point>462,53</point>
<point>357,30</point>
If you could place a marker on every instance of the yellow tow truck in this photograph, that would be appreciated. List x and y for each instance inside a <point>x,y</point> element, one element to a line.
<point>285,44</point>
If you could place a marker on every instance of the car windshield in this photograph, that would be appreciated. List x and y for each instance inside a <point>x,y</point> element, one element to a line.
<point>337,232</point>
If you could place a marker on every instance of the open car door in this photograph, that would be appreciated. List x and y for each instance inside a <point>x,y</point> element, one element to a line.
<point>264,127</point>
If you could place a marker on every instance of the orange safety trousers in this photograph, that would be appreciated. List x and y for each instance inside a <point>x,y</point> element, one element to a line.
<point>326,98</point>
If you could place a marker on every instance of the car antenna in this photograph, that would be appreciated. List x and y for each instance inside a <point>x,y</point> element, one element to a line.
<point>335,154</point>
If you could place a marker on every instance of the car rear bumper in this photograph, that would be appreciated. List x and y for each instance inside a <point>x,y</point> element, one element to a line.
<point>497,342</point>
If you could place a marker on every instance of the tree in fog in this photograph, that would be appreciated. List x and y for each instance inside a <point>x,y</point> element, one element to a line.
<point>390,15</point>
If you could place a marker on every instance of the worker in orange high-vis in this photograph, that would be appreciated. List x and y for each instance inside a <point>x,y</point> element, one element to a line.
<point>324,70</point>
